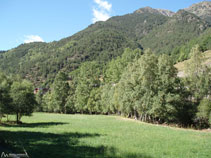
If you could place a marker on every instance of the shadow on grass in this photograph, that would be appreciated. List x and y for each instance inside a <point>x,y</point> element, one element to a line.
<point>33,125</point>
<point>49,145</point>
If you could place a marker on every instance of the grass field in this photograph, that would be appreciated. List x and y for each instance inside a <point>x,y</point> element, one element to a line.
<point>78,136</point>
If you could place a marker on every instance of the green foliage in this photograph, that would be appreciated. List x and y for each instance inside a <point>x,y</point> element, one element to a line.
<point>177,31</point>
<point>16,97</point>
<point>106,97</point>
<point>94,101</point>
<point>203,114</point>
<point>116,66</point>
<point>5,100</point>
<point>47,103</point>
<point>198,78</point>
<point>23,99</point>
<point>73,82</point>
<point>60,91</point>
<point>56,99</point>
<point>142,86</point>
<point>90,73</point>
<point>198,83</point>
<point>40,62</point>
<point>204,41</point>
<point>204,109</point>
<point>150,89</point>
<point>39,99</point>
<point>136,25</point>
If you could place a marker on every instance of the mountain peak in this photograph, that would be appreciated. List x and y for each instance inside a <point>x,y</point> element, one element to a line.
<point>145,9</point>
<point>188,16</point>
<point>202,10</point>
<point>166,12</point>
<point>201,6</point>
<point>155,11</point>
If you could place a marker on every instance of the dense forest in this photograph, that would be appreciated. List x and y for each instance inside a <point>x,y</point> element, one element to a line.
<point>123,66</point>
<point>137,85</point>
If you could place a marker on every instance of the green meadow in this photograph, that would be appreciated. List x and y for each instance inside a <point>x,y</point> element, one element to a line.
<point>96,136</point>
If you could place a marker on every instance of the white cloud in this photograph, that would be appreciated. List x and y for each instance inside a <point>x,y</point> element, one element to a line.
<point>104,4</point>
<point>100,16</point>
<point>102,11</point>
<point>33,38</point>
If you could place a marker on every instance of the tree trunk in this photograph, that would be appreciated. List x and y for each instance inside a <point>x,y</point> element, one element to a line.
<point>65,110</point>
<point>145,118</point>
<point>17,118</point>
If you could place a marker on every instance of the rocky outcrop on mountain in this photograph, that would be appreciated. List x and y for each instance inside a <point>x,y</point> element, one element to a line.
<point>202,10</point>
<point>155,11</point>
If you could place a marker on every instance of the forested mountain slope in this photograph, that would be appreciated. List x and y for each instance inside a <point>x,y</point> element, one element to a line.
<point>161,30</point>
<point>178,30</point>
<point>102,41</point>
<point>182,53</point>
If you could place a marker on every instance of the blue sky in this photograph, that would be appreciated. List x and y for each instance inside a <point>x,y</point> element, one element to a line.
<point>24,21</point>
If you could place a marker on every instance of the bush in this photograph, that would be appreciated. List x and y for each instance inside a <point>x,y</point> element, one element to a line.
<point>203,116</point>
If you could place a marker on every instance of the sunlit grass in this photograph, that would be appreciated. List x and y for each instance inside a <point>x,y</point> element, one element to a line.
<point>56,135</point>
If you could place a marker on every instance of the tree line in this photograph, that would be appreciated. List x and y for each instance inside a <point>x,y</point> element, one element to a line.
<point>139,85</point>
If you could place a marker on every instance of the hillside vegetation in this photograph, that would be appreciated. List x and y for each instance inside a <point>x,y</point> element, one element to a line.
<point>178,30</point>
<point>161,30</point>
<point>40,62</point>
<point>181,65</point>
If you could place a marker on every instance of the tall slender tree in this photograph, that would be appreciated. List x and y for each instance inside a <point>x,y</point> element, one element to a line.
<point>60,91</point>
